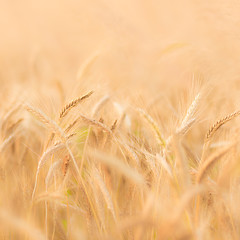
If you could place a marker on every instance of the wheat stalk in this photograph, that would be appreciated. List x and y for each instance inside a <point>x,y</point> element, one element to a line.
<point>210,161</point>
<point>99,105</point>
<point>86,65</point>
<point>164,164</point>
<point>154,126</point>
<point>6,142</point>
<point>119,166</point>
<point>10,113</point>
<point>13,126</point>
<point>105,192</point>
<point>51,172</point>
<point>100,203</point>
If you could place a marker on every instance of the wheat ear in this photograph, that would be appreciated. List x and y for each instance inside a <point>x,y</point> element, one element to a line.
<point>219,123</point>
<point>71,125</point>
<point>190,113</point>
<point>42,117</point>
<point>213,129</point>
<point>73,103</point>
<point>95,123</point>
<point>188,120</point>
<point>55,128</point>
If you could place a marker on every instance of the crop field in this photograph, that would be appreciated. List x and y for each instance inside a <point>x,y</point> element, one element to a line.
<point>119,120</point>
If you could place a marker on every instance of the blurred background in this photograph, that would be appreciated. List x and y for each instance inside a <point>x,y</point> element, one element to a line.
<point>134,42</point>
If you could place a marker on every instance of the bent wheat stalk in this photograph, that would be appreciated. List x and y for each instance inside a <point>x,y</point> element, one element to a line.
<point>6,142</point>
<point>209,162</point>
<point>87,65</point>
<point>99,105</point>
<point>43,160</point>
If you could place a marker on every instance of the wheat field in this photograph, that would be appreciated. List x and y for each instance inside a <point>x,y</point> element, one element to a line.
<point>119,120</point>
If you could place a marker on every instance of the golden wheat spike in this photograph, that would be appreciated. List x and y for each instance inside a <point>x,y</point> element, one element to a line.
<point>49,123</point>
<point>73,103</point>
<point>95,123</point>
<point>219,123</point>
<point>190,112</point>
<point>71,125</point>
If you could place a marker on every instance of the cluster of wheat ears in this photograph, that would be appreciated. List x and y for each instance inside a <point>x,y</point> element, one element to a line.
<point>106,171</point>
